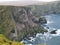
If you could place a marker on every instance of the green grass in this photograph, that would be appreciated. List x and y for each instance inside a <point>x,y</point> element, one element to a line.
<point>5,41</point>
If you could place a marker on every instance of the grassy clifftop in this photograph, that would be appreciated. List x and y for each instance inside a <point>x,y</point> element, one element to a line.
<point>5,41</point>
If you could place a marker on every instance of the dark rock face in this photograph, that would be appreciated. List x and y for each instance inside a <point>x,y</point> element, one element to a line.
<point>12,36</point>
<point>26,24</point>
<point>42,21</point>
<point>35,21</point>
<point>39,20</point>
<point>53,32</point>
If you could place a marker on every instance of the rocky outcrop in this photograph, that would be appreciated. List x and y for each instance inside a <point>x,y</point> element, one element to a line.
<point>26,24</point>
<point>42,21</point>
<point>53,32</point>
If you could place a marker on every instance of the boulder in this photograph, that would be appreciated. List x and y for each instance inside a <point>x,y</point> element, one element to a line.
<point>53,32</point>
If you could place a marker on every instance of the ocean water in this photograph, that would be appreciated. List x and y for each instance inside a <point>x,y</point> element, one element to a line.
<point>53,22</point>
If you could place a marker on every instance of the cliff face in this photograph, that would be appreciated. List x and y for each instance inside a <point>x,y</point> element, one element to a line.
<point>19,22</point>
<point>6,24</point>
<point>26,23</point>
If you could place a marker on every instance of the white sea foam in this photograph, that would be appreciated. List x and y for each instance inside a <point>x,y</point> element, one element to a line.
<point>48,21</point>
<point>49,35</point>
<point>39,34</point>
<point>29,44</point>
<point>58,31</point>
<point>44,36</point>
<point>32,39</point>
